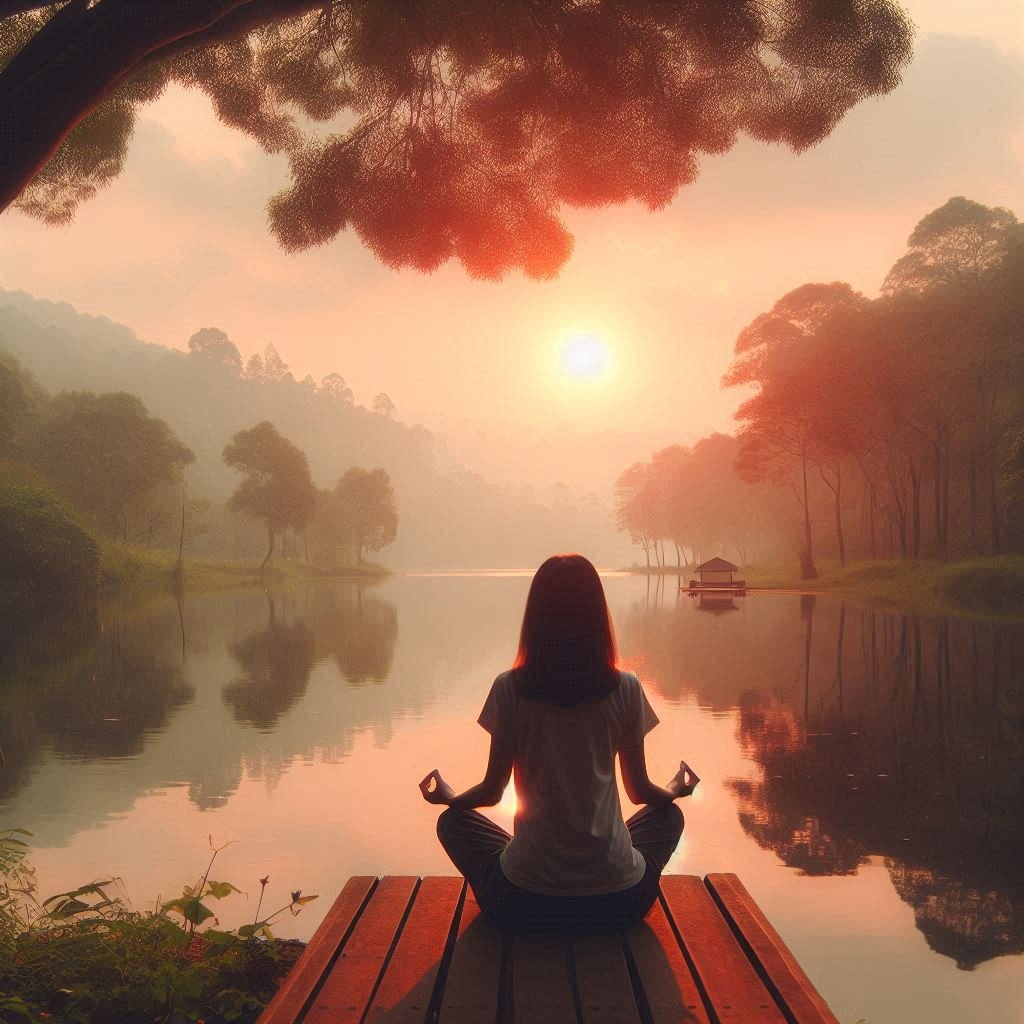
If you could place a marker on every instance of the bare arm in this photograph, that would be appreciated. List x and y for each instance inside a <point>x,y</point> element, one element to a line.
<point>640,789</point>
<point>484,794</point>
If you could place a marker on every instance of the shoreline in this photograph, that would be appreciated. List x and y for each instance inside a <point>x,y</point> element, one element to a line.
<point>991,587</point>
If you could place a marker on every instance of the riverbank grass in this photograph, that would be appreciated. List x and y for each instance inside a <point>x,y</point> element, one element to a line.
<point>127,568</point>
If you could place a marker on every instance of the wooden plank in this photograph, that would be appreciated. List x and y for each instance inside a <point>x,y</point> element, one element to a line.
<point>350,984</point>
<point>542,990</point>
<point>403,996</point>
<point>727,977</point>
<point>671,993</point>
<point>471,987</point>
<point>297,989</point>
<point>763,944</point>
<point>602,978</point>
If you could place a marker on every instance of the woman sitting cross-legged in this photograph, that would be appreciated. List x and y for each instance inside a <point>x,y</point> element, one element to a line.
<point>558,719</point>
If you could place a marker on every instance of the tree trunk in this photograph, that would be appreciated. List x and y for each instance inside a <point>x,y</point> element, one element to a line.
<point>270,549</point>
<point>840,538</point>
<point>915,512</point>
<point>181,533</point>
<point>972,498</point>
<point>995,541</point>
<point>808,570</point>
<point>871,522</point>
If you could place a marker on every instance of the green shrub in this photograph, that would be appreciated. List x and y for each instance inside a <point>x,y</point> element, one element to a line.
<point>46,554</point>
<point>85,956</point>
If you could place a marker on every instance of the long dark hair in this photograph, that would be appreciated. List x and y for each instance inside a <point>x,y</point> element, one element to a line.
<point>566,645</point>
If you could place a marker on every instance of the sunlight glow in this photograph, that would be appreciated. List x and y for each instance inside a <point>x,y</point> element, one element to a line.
<point>584,356</point>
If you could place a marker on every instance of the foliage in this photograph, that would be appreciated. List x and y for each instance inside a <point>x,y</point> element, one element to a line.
<point>212,344</point>
<point>46,554</point>
<point>337,387</point>
<point>86,956</point>
<point>694,498</point>
<point>470,124</point>
<point>383,405</point>
<point>367,502</point>
<point>277,487</point>
<point>906,398</point>
<point>1013,485</point>
<point>106,451</point>
<point>21,404</point>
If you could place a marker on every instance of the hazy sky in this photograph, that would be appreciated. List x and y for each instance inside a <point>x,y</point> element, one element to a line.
<point>180,241</point>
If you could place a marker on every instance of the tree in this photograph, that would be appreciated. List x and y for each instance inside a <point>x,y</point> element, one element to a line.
<point>790,425</point>
<point>274,367</point>
<point>276,486</point>
<point>471,123</point>
<point>335,386</point>
<point>959,244</point>
<point>383,405</point>
<point>22,401</point>
<point>254,368</point>
<point>964,254</point>
<point>634,506</point>
<point>369,502</point>
<point>213,344</point>
<point>1013,485</point>
<point>331,530</point>
<point>106,451</point>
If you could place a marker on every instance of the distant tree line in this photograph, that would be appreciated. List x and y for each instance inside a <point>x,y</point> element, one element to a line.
<point>213,345</point>
<point>692,501</point>
<point>123,472</point>
<point>899,420</point>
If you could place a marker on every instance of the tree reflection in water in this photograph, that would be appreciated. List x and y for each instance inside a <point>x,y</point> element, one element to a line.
<point>908,746</point>
<point>103,687</point>
<point>355,630</point>
<point>275,664</point>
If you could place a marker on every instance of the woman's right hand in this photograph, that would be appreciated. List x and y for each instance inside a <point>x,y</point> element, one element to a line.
<point>684,782</point>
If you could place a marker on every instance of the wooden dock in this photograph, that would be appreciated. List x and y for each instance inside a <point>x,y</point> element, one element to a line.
<point>400,950</point>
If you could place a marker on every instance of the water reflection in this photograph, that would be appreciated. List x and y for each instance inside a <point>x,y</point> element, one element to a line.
<point>90,689</point>
<point>866,734</point>
<point>891,736</point>
<point>275,663</point>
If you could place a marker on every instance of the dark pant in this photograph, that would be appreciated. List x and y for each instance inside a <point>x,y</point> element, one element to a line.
<point>475,843</point>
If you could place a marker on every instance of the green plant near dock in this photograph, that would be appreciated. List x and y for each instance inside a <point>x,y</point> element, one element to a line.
<point>86,956</point>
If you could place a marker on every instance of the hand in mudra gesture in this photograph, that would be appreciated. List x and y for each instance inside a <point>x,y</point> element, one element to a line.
<point>684,782</point>
<point>435,790</point>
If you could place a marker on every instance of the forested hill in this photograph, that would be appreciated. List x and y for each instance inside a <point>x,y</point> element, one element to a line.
<point>449,518</point>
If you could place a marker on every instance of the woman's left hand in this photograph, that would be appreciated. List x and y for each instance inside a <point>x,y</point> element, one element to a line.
<point>435,790</point>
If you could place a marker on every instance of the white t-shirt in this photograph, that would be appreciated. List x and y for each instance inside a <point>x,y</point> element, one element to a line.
<point>569,838</point>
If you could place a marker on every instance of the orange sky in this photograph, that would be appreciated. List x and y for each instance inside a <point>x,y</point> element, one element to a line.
<point>180,241</point>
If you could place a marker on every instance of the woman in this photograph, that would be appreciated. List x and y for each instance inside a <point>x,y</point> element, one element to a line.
<point>558,718</point>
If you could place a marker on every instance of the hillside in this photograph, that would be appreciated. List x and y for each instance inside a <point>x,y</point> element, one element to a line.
<point>450,518</point>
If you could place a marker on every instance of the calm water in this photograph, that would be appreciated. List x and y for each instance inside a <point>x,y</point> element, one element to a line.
<point>862,771</point>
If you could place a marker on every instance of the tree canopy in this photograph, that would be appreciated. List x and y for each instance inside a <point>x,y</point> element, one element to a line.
<point>915,394</point>
<point>445,129</point>
<point>213,344</point>
<point>105,451</point>
<point>368,500</point>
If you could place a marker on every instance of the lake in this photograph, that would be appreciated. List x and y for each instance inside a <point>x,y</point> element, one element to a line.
<point>863,771</point>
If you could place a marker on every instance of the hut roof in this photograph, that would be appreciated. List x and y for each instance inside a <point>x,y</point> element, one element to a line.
<point>717,564</point>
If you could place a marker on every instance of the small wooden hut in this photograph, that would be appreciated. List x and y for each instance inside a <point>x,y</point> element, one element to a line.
<point>717,574</point>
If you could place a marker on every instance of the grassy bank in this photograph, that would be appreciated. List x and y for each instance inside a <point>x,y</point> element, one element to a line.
<point>124,567</point>
<point>987,586</point>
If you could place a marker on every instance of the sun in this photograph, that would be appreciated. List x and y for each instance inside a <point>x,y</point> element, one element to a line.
<point>584,357</point>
